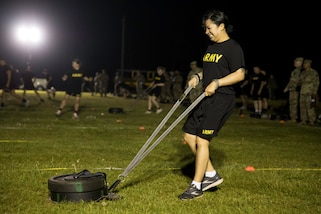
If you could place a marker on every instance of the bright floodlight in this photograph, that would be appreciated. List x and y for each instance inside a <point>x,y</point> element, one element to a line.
<point>29,34</point>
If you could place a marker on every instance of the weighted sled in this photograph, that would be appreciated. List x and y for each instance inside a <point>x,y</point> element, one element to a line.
<point>116,110</point>
<point>84,186</point>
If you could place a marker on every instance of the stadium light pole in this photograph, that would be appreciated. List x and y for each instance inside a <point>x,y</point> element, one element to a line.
<point>29,35</point>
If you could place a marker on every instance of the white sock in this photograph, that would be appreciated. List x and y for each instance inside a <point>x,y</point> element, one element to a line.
<point>197,184</point>
<point>210,174</point>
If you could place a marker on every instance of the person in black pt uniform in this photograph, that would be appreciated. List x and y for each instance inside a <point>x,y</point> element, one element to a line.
<point>257,87</point>
<point>243,90</point>
<point>8,83</point>
<point>155,90</point>
<point>223,67</point>
<point>74,80</point>
<point>27,79</point>
<point>50,88</point>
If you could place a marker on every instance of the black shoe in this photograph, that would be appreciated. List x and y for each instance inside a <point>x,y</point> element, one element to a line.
<point>190,193</point>
<point>210,182</point>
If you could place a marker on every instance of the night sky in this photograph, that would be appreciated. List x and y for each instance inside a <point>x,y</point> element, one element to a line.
<point>167,33</point>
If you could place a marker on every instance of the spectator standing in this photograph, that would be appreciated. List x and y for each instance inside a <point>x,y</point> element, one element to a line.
<point>257,85</point>
<point>8,83</point>
<point>156,89</point>
<point>272,87</point>
<point>177,84</point>
<point>103,83</point>
<point>223,64</point>
<point>167,89</point>
<point>74,80</point>
<point>244,90</point>
<point>140,82</point>
<point>199,88</point>
<point>96,83</point>
<point>27,79</point>
<point>310,81</point>
<point>117,82</point>
<point>265,92</point>
<point>293,87</point>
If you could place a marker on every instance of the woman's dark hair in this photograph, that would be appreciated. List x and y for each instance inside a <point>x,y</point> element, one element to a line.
<point>217,17</point>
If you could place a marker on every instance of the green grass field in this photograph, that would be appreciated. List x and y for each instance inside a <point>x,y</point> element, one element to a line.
<point>36,145</point>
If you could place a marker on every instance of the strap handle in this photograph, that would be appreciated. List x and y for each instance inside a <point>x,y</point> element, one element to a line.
<point>87,174</point>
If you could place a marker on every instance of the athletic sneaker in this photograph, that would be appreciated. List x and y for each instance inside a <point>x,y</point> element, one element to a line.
<point>210,182</point>
<point>58,112</point>
<point>190,193</point>
<point>148,112</point>
<point>159,111</point>
<point>75,115</point>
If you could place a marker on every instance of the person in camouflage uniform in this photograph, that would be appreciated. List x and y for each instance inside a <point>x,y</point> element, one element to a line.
<point>199,88</point>
<point>177,85</point>
<point>167,94</point>
<point>309,80</point>
<point>294,89</point>
<point>140,83</point>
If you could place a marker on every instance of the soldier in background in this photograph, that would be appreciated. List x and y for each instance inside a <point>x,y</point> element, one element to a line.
<point>199,88</point>
<point>140,82</point>
<point>167,93</point>
<point>243,89</point>
<point>50,89</point>
<point>96,82</point>
<point>309,80</point>
<point>117,82</point>
<point>272,87</point>
<point>257,84</point>
<point>27,79</point>
<point>293,88</point>
<point>177,84</point>
<point>103,83</point>
<point>8,83</point>
<point>156,88</point>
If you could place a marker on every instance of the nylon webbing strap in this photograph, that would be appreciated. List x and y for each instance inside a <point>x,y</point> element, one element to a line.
<point>156,131</point>
<point>145,150</point>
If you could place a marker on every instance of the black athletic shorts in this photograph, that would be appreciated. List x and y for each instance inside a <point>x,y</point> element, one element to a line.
<point>74,91</point>
<point>265,92</point>
<point>208,117</point>
<point>29,86</point>
<point>256,96</point>
<point>155,91</point>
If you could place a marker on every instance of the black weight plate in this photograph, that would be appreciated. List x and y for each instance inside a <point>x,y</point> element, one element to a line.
<point>67,183</point>
<point>79,196</point>
<point>116,110</point>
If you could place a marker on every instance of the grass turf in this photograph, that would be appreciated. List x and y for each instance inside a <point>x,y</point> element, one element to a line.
<point>36,145</point>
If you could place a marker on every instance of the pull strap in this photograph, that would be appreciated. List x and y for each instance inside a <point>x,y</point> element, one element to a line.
<point>87,174</point>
